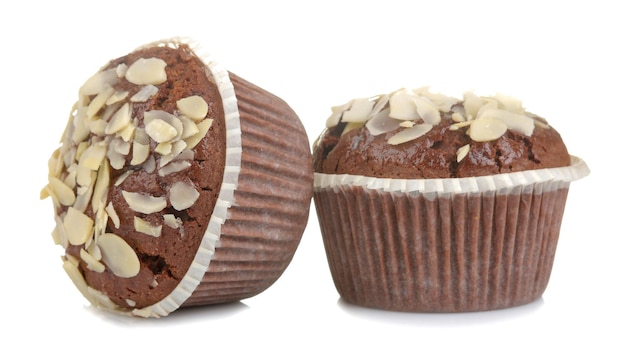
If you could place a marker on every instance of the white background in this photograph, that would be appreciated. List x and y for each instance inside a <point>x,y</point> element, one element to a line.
<point>565,60</point>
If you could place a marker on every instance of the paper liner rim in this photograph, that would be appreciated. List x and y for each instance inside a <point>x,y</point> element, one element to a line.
<point>577,170</point>
<point>225,200</point>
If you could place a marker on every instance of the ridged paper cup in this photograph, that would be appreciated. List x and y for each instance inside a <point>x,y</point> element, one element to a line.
<point>443,245</point>
<point>263,203</point>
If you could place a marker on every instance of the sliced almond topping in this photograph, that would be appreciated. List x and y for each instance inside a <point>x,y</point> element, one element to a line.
<point>113,215</point>
<point>145,227</point>
<point>163,148</point>
<point>513,121</point>
<point>410,134</point>
<point>63,192</point>
<point>462,152</point>
<point>173,167</point>
<point>510,103</point>
<point>101,187</point>
<point>176,149</point>
<point>402,105</point>
<point>78,226</point>
<point>118,256</point>
<point>486,129</point>
<point>93,157</point>
<point>142,203</point>
<point>203,128</point>
<point>337,111</point>
<point>92,263</point>
<point>120,146</point>
<point>189,128</point>
<point>351,126</point>
<point>83,198</point>
<point>471,104</point>
<point>117,97</point>
<point>195,107</point>
<point>147,71</point>
<point>381,123</point>
<point>160,131</point>
<point>140,153</point>
<point>97,127</point>
<point>183,195</point>
<point>120,119</point>
<point>172,221</point>
<point>144,93</point>
<point>99,101</point>
<point>127,133</point>
<point>116,160</point>
<point>428,111</point>
<point>121,69</point>
<point>458,117</point>
<point>98,82</point>
<point>85,176</point>
<point>359,112</point>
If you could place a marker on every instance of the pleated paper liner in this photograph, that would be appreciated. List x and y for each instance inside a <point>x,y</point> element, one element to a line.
<point>450,245</point>
<point>263,203</point>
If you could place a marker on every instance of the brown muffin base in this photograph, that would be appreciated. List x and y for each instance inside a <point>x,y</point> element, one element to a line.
<point>454,253</point>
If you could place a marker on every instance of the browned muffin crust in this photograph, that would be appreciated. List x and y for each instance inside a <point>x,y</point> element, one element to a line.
<point>165,259</point>
<point>434,154</point>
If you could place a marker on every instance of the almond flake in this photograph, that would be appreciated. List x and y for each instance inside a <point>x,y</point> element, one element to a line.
<point>113,215</point>
<point>98,82</point>
<point>119,120</point>
<point>140,153</point>
<point>195,107</point>
<point>381,123</point>
<point>142,203</point>
<point>203,128</point>
<point>145,227</point>
<point>92,263</point>
<point>359,112</point>
<point>78,226</point>
<point>513,121</point>
<point>337,111</point>
<point>117,97</point>
<point>486,129</point>
<point>174,167</point>
<point>146,71</point>
<point>428,111</point>
<point>410,134</point>
<point>99,101</point>
<point>462,152</point>
<point>172,221</point>
<point>93,157</point>
<point>118,256</point>
<point>63,192</point>
<point>402,105</point>
<point>183,195</point>
<point>144,93</point>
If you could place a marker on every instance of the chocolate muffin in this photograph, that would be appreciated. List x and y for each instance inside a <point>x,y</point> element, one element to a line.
<point>177,183</point>
<point>430,203</point>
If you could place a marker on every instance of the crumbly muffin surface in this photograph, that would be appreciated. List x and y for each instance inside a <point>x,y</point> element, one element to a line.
<point>419,134</point>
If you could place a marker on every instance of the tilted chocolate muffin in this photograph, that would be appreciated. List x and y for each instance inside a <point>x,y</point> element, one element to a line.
<point>435,204</point>
<point>177,183</point>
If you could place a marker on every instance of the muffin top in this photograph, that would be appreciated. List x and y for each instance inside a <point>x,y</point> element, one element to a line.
<point>410,134</point>
<point>138,174</point>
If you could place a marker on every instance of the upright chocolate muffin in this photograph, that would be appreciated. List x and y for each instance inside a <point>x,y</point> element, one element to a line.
<point>435,204</point>
<point>177,183</point>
